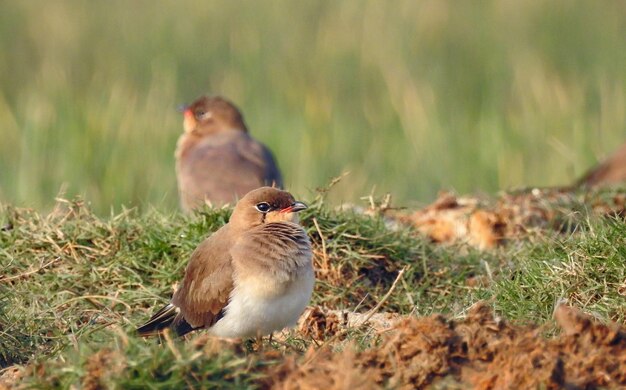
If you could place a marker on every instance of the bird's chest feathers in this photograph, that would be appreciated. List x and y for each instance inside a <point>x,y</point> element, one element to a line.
<point>263,285</point>
<point>266,296</point>
<point>259,304</point>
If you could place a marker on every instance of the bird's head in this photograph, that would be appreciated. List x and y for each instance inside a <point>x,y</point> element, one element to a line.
<point>208,115</point>
<point>266,205</point>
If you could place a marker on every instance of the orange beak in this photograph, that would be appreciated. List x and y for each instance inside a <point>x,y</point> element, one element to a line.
<point>189,121</point>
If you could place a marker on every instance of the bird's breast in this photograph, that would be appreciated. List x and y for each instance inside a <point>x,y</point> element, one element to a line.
<point>261,306</point>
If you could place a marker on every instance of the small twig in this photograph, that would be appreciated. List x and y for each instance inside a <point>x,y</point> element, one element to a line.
<point>122,335</point>
<point>33,271</point>
<point>369,315</point>
<point>382,301</point>
<point>94,297</point>
<point>319,231</point>
<point>171,346</point>
<point>408,295</point>
<point>488,269</point>
<point>358,306</point>
<point>323,191</point>
<point>336,180</point>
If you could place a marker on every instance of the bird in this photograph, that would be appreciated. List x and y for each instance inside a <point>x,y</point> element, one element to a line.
<point>217,161</point>
<point>250,278</point>
<point>611,171</point>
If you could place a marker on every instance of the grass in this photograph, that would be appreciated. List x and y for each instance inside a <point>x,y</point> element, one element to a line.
<point>409,98</point>
<point>587,271</point>
<point>75,285</point>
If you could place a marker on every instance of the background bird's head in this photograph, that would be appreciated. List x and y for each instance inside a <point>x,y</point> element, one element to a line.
<point>265,205</point>
<point>208,115</point>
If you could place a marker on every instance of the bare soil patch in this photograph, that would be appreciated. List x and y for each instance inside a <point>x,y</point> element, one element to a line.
<point>485,224</point>
<point>480,351</point>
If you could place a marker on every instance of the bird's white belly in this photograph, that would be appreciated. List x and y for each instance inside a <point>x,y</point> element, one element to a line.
<point>258,307</point>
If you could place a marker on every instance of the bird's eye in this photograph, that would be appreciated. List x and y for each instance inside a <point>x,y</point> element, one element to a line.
<point>263,207</point>
<point>202,115</point>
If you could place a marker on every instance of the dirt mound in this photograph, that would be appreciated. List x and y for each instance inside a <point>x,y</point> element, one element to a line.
<point>484,224</point>
<point>10,376</point>
<point>100,366</point>
<point>321,324</point>
<point>480,351</point>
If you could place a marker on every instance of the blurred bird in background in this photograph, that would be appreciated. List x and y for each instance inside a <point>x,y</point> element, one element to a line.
<point>250,278</point>
<point>611,171</point>
<point>217,161</point>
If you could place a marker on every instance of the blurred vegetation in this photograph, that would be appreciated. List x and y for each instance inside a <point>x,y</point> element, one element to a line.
<point>410,96</point>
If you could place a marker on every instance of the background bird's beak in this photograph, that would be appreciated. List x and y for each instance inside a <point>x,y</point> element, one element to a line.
<point>182,108</point>
<point>189,121</point>
<point>294,208</point>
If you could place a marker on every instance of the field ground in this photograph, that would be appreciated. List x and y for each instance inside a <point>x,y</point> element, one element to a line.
<point>394,305</point>
<point>410,99</point>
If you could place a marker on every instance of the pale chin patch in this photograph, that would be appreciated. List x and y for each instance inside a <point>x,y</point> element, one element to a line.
<point>283,217</point>
<point>189,124</point>
<point>293,217</point>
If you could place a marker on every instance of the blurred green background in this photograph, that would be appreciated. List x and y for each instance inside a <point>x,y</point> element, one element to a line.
<point>409,96</point>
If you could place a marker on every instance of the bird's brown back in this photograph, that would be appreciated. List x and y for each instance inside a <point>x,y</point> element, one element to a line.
<point>610,171</point>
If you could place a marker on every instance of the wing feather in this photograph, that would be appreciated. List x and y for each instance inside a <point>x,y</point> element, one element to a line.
<point>208,282</point>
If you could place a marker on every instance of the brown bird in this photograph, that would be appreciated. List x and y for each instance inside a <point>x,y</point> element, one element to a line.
<point>250,278</point>
<point>611,171</point>
<point>217,159</point>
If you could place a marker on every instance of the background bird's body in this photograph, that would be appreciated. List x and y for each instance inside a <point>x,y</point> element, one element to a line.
<point>253,276</point>
<point>222,168</point>
<point>217,159</point>
<point>611,171</point>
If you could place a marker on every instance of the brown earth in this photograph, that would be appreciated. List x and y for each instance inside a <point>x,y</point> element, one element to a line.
<point>480,351</point>
<point>101,365</point>
<point>485,224</point>
<point>10,376</point>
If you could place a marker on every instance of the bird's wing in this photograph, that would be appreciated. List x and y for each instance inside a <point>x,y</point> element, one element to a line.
<point>261,157</point>
<point>611,170</point>
<point>279,249</point>
<point>273,176</point>
<point>221,171</point>
<point>208,282</point>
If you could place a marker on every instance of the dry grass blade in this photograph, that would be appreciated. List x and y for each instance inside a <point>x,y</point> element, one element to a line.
<point>27,273</point>
<point>375,309</point>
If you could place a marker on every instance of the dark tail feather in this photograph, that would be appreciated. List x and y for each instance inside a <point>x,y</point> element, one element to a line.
<point>167,317</point>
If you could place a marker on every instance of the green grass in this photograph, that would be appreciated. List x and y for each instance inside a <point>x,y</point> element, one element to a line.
<point>588,271</point>
<point>410,97</point>
<point>74,286</point>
